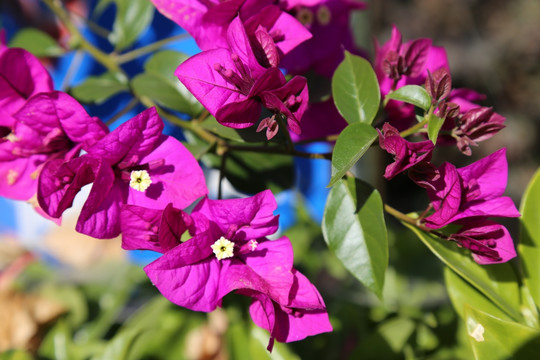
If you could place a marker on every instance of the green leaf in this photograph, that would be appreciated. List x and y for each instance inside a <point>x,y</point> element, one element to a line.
<point>492,338</point>
<point>252,172</point>
<point>356,90</point>
<point>529,239</point>
<point>97,89</point>
<point>132,18</point>
<point>497,282</point>
<point>120,346</point>
<point>387,342</point>
<point>37,42</point>
<point>462,293</point>
<point>412,94</point>
<point>16,355</point>
<point>351,144</point>
<point>434,126</point>
<point>159,83</point>
<point>353,227</point>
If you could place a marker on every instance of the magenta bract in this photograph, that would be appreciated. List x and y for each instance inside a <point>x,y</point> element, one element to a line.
<point>134,164</point>
<point>473,191</point>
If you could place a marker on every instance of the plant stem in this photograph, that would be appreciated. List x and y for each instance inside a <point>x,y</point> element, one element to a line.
<point>280,151</point>
<point>410,220</point>
<point>98,55</point>
<point>131,55</point>
<point>415,128</point>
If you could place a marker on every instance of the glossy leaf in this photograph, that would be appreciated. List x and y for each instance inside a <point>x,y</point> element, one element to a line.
<point>97,89</point>
<point>412,94</point>
<point>492,338</point>
<point>252,172</point>
<point>131,19</point>
<point>37,42</point>
<point>352,143</point>
<point>529,244</point>
<point>353,227</point>
<point>462,293</point>
<point>497,282</point>
<point>356,90</point>
<point>434,126</point>
<point>159,83</point>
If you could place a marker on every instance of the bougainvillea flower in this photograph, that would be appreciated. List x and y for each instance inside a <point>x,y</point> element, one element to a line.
<point>398,64</point>
<point>230,253</point>
<point>21,76</point>
<point>134,164</point>
<point>305,314</point>
<point>207,21</point>
<point>476,125</point>
<point>232,85</point>
<point>474,191</point>
<point>489,242</point>
<point>406,154</point>
<point>49,126</point>
<point>329,23</point>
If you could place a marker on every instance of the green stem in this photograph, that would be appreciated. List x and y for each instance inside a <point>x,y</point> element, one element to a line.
<point>410,220</point>
<point>280,151</point>
<point>131,55</point>
<point>413,129</point>
<point>98,55</point>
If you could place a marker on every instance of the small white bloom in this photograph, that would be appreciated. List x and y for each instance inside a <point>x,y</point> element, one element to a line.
<point>140,180</point>
<point>223,248</point>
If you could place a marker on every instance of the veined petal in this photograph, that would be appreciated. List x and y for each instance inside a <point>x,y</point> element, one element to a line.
<point>177,178</point>
<point>100,215</point>
<point>131,141</point>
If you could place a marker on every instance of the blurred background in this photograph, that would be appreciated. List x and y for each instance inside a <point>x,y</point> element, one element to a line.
<point>66,296</point>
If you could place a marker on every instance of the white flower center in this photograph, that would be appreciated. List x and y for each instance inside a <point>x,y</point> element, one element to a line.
<point>223,248</point>
<point>140,180</point>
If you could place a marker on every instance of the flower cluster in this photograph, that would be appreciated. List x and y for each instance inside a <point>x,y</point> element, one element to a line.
<point>466,196</point>
<point>245,43</point>
<point>141,182</point>
<point>252,72</point>
<point>228,250</point>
